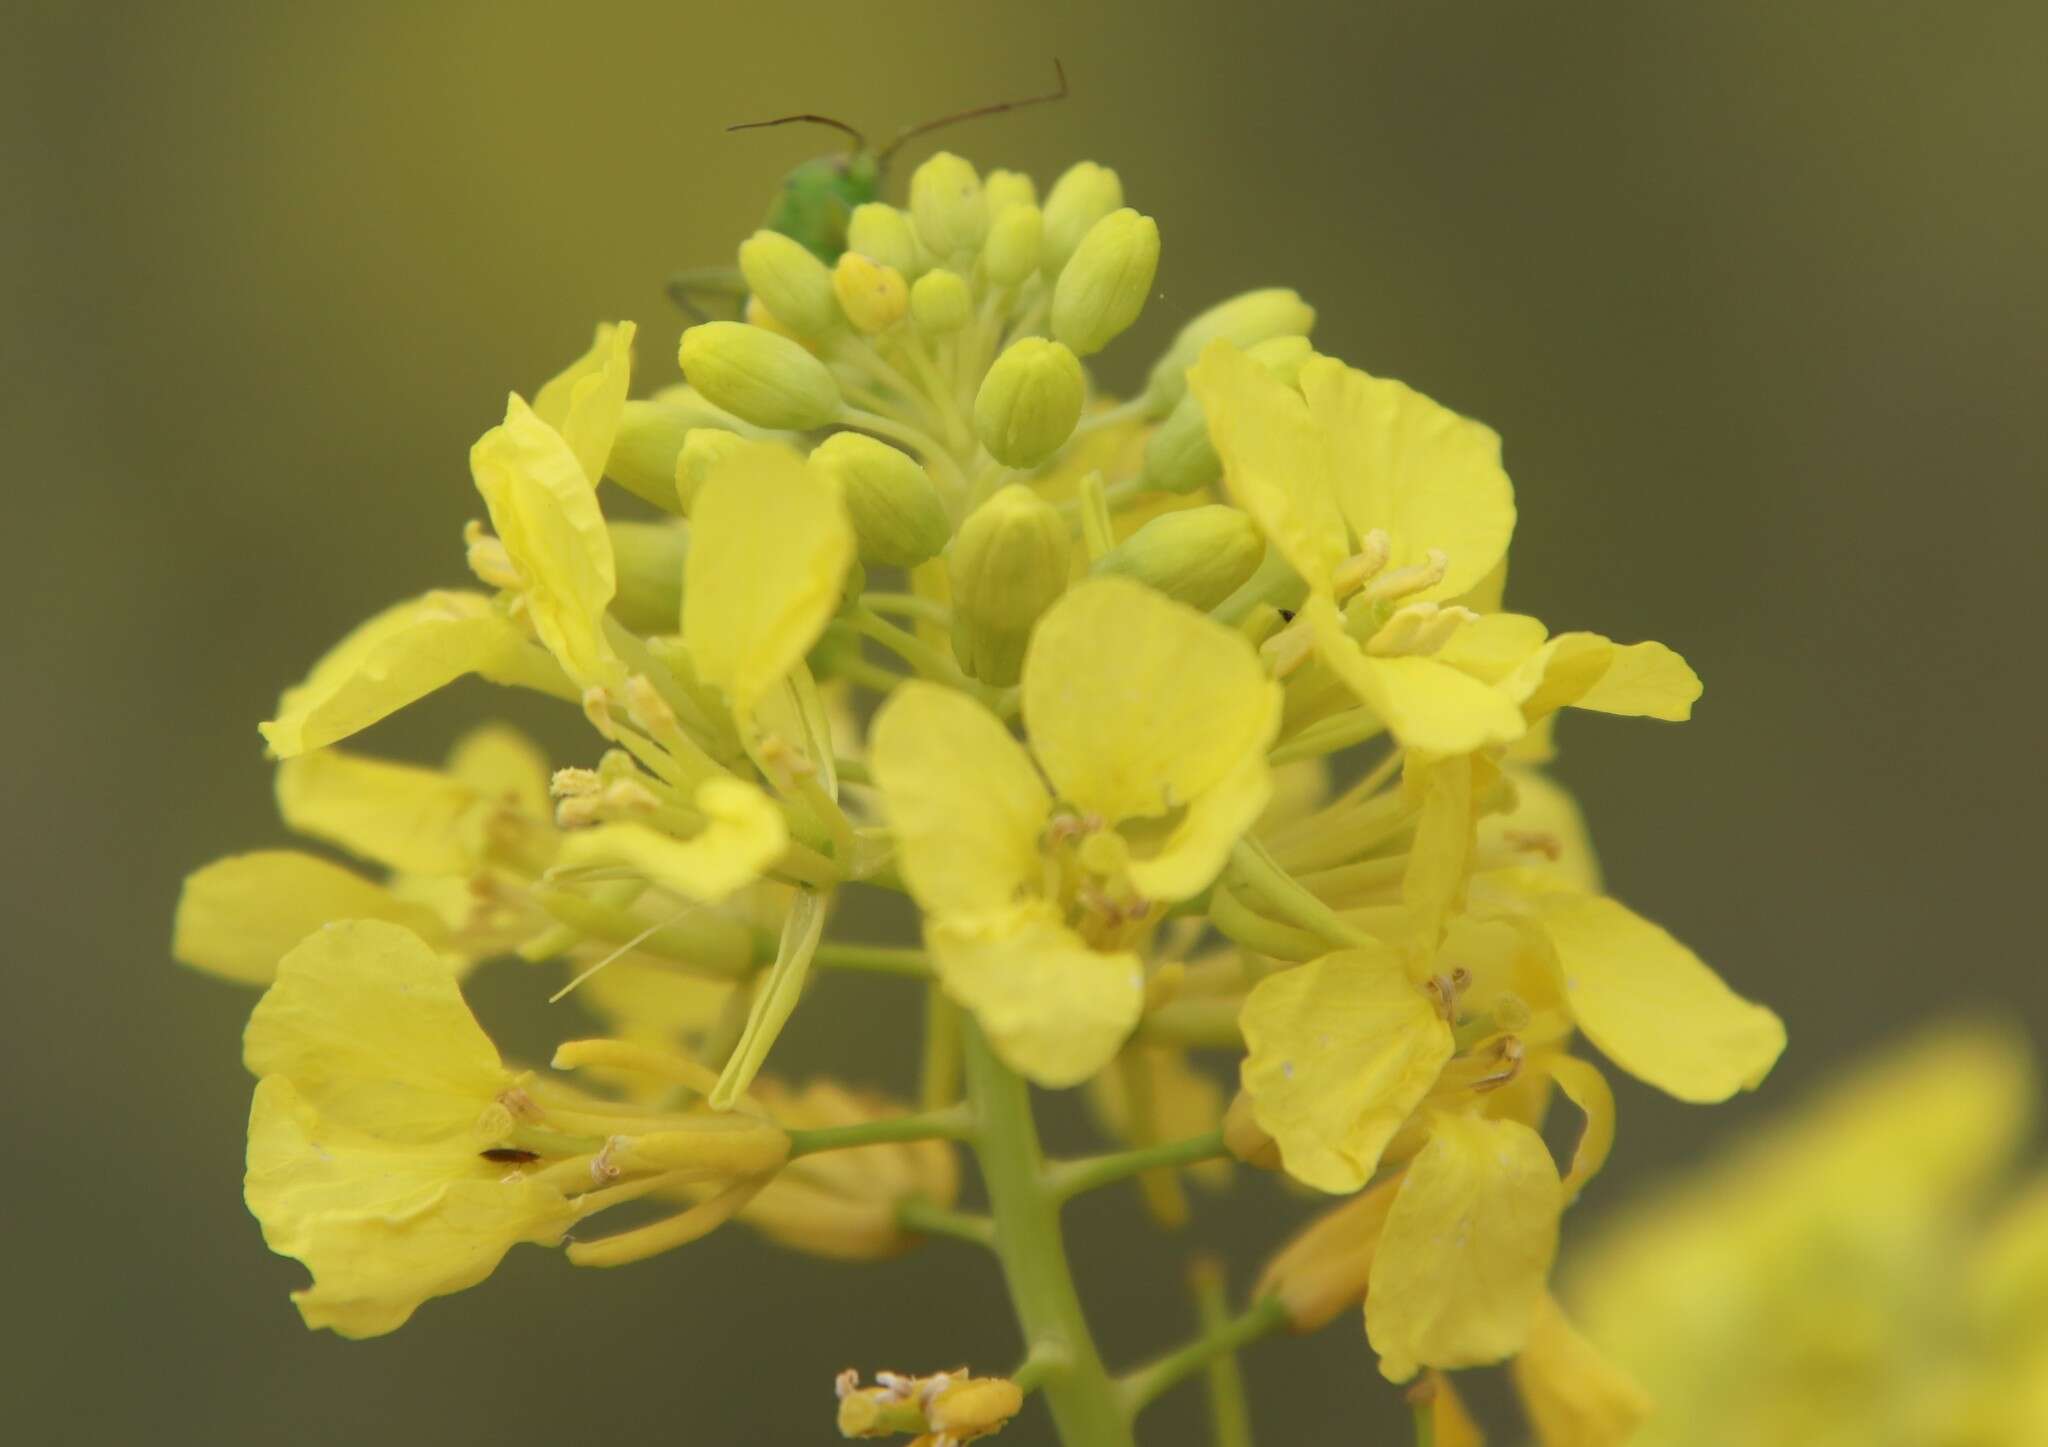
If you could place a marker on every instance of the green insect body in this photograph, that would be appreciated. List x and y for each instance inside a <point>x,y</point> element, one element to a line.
<point>816,200</point>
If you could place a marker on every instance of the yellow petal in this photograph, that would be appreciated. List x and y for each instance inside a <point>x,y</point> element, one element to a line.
<point>770,546</point>
<point>398,815</point>
<point>544,510</point>
<point>1276,460</point>
<point>239,915</point>
<point>1645,680</point>
<point>383,1227</point>
<point>1466,1250</point>
<point>584,402</point>
<point>1136,704</point>
<point>965,805</point>
<point>1575,1397</point>
<point>400,656</point>
<point>1441,856</point>
<point>1425,703</point>
<point>504,766</point>
<point>370,1026</point>
<point>1450,1424</point>
<point>1339,1053</point>
<point>1419,472</point>
<point>1586,1088</point>
<point>1196,850</point>
<point>1546,828</point>
<point>744,833</point>
<point>1494,645</point>
<point>1055,1010</point>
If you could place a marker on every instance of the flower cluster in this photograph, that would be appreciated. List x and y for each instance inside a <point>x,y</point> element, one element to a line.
<point>1193,724</point>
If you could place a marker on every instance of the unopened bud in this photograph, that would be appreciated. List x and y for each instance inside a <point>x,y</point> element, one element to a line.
<point>948,207</point>
<point>702,450</point>
<point>758,315</point>
<point>897,512</point>
<point>1198,556</point>
<point>873,296</point>
<point>1103,288</point>
<point>644,450</point>
<point>649,560</point>
<point>1082,196</point>
<point>940,303</point>
<point>791,282</point>
<point>1326,1267</point>
<point>1014,239</point>
<point>1179,457</point>
<point>1010,561</point>
<point>977,1407</point>
<point>1029,402</point>
<point>1245,1138</point>
<point>1005,189</point>
<point>1244,321</point>
<point>758,376</point>
<point>882,233</point>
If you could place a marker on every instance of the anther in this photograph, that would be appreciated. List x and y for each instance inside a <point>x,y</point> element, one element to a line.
<point>602,1167</point>
<point>1534,841</point>
<point>1411,579</point>
<point>1418,630</point>
<point>1287,650</point>
<point>846,1384</point>
<point>573,783</point>
<point>488,559</point>
<point>597,707</point>
<point>1364,565</point>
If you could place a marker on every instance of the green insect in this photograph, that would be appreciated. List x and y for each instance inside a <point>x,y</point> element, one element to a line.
<point>816,200</point>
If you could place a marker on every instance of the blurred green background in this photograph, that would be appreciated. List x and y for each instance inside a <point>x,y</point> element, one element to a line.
<point>1753,291</point>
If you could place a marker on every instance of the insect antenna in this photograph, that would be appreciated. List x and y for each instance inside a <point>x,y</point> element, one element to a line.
<point>1008,105</point>
<point>860,141</point>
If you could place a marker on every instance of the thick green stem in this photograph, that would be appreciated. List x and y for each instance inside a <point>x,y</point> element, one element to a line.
<point>1083,1401</point>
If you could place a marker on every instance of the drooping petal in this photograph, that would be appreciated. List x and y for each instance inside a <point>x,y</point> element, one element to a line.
<point>1196,850</point>
<point>398,815</point>
<point>1416,470</point>
<point>544,510</point>
<point>1055,1010</point>
<point>1425,703</point>
<point>1574,1395</point>
<point>1340,1052</point>
<point>382,1226</point>
<point>743,834</point>
<point>770,547</point>
<point>1650,1004</point>
<point>1136,705</point>
<point>1466,1250</point>
<point>1276,460</point>
<point>584,401</point>
<point>239,916</point>
<point>371,1028</point>
<point>400,656</point>
<point>965,804</point>
<point>1585,670</point>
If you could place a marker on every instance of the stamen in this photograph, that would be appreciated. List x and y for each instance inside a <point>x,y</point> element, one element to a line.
<point>1411,579</point>
<point>1287,650</point>
<point>1534,841</point>
<point>488,559</point>
<point>1364,565</point>
<point>569,783</point>
<point>846,1384</point>
<point>597,707</point>
<point>1418,630</point>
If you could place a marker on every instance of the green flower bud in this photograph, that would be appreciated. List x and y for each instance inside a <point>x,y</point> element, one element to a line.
<point>940,303</point>
<point>644,450</point>
<point>793,284</point>
<point>1244,320</point>
<point>760,377</point>
<point>897,512</point>
<point>1010,561</point>
<point>1005,189</point>
<point>1198,557</point>
<point>948,207</point>
<point>1103,288</point>
<point>1179,456</point>
<point>1081,197</point>
<point>702,450</point>
<point>649,560</point>
<point>1014,238</point>
<point>1029,402</point>
<point>881,233</point>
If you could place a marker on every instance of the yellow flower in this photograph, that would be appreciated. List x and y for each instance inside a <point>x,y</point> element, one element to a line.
<point>1151,723</point>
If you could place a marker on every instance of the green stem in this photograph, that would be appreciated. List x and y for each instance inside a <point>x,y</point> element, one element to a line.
<point>875,959</point>
<point>1235,920</point>
<point>1291,899</point>
<point>1139,1388</point>
<point>1229,1415</point>
<point>1066,1179</point>
<point>1084,1404</point>
<point>954,1123</point>
<point>918,1214</point>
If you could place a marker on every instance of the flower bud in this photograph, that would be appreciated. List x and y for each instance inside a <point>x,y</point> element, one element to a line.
<point>1081,197</point>
<point>1029,402</point>
<point>897,512</point>
<point>874,297</point>
<point>792,283</point>
<point>757,314</point>
<point>1179,457</point>
<point>1246,1138</point>
<point>1326,1267</point>
<point>1010,561</point>
<point>948,207</point>
<point>1199,556</point>
<point>702,450</point>
<point>940,303</point>
<point>977,1407</point>
<point>1244,321</point>
<point>1005,189</point>
<point>648,558</point>
<point>1103,288</point>
<point>1014,238</point>
<point>758,376</point>
<point>880,232</point>
<point>644,450</point>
